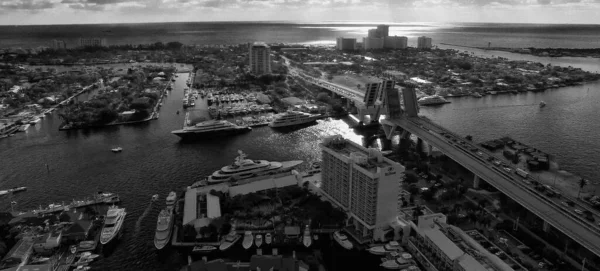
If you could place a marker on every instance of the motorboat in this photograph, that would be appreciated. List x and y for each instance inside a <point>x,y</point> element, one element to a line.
<point>542,104</point>
<point>399,262</point>
<point>171,198</point>
<point>342,239</point>
<point>268,238</point>
<point>155,197</point>
<point>476,95</point>
<point>117,149</point>
<point>293,118</point>
<point>432,100</point>
<point>306,238</point>
<point>316,237</point>
<point>259,240</point>
<point>229,240</point>
<point>248,240</point>
<point>210,129</point>
<point>203,249</point>
<point>113,224</point>
<point>387,248</point>
<point>244,168</point>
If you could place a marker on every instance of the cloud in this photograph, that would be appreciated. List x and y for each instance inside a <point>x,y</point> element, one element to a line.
<point>32,5</point>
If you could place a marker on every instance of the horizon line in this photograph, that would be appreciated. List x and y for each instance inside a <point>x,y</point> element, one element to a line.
<point>347,22</point>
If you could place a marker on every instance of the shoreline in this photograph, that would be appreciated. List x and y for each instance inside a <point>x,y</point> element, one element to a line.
<point>539,52</point>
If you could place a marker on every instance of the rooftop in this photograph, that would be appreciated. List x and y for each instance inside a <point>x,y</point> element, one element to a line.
<point>347,148</point>
<point>448,247</point>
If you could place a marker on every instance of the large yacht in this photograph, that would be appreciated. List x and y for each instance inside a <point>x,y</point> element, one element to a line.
<point>164,224</point>
<point>433,100</point>
<point>244,168</point>
<point>210,128</point>
<point>293,118</point>
<point>113,224</point>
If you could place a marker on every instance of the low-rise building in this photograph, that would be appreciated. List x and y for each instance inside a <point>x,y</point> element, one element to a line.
<point>395,42</point>
<point>424,42</point>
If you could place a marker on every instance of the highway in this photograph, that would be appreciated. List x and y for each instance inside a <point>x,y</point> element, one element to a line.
<point>573,225</point>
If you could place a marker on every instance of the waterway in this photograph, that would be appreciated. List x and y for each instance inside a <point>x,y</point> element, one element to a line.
<point>153,162</point>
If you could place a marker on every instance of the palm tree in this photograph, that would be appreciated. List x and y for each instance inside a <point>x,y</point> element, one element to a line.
<point>583,182</point>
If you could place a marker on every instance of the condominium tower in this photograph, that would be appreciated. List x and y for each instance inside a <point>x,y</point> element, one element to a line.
<point>346,44</point>
<point>362,182</point>
<point>260,58</point>
<point>424,42</point>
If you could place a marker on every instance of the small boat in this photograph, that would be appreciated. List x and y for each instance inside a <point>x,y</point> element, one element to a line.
<point>398,263</point>
<point>542,104</point>
<point>476,95</point>
<point>306,240</point>
<point>203,249</point>
<point>387,248</point>
<point>229,240</point>
<point>342,239</point>
<point>117,149</point>
<point>155,197</point>
<point>73,249</point>
<point>316,237</point>
<point>268,238</point>
<point>248,240</point>
<point>259,240</point>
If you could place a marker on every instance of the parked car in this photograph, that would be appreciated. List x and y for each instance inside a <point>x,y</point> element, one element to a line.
<point>577,211</point>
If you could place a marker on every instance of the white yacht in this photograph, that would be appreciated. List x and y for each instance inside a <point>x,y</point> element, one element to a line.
<point>432,100</point>
<point>229,240</point>
<point>164,223</point>
<point>268,238</point>
<point>258,240</point>
<point>210,128</point>
<point>400,262</point>
<point>342,239</point>
<point>293,118</point>
<point>387,248</point>
<point>113,224</point>
<point>306,238</point>
<point>248,240</point>
<point>244,168</point>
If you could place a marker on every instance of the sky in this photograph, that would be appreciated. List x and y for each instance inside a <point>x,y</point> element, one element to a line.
<point>26,12</point>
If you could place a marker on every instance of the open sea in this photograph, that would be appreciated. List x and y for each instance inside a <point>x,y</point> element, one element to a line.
<point>155,162</point>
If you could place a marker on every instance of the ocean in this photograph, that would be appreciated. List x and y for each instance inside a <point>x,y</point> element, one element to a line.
<point>468,34</point>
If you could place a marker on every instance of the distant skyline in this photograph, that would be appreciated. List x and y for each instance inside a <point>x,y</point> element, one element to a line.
<point>27,12</point>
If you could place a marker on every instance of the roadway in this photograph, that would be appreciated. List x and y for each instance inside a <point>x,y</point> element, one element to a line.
<point>571,224</point>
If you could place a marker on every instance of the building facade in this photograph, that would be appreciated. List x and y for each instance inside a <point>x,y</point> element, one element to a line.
<point>362,182</point>
<point>92,42</point>
<point>395,42</point>
<point>384,30</point>
<point>372,43</point>
<point>346,44</point>
<point>424,42</point>
<point>260,58</point>
<point>59,44</point>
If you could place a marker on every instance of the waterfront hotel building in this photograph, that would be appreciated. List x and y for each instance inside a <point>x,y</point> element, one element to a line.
<point>260,58</point>
<point>92,42</point>
<point>364,184</point>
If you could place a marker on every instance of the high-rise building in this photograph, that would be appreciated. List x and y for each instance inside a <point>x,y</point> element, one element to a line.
<point>362,182</point>
<point>395,42</point>
<point>374,33</point>
<point>424,42</point>
<point>59,44</point>
<point>260,58</point>
<point>346,44</point>
<point>372,43</point>
<point>384,30</point>
<point>92,42</point>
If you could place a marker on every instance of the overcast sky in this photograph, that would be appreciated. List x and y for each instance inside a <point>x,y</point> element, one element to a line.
<point>130,11</point>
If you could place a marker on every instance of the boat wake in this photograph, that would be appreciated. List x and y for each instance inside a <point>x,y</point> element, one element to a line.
<point>138,224</point>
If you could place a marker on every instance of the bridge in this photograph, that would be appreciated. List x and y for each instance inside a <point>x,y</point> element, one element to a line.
<point>477,160</point>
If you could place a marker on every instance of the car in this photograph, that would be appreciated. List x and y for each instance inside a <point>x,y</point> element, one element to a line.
<point>473,149</point>
<point>462,142</point>
<point>577,211</point>
<point>447,136</point>
<point>423,189</point>
<point>480,153</point>
<point>564,204</point>
<point>496,162</point>
<point>507,169</point>
<point>454,139</point>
